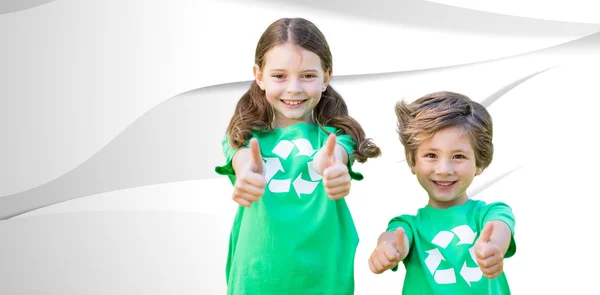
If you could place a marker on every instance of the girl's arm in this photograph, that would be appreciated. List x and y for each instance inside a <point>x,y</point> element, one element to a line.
<point>249,171</point>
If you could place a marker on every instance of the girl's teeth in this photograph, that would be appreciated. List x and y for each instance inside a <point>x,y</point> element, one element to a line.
<point>444,183</point>
<point>292,102</point>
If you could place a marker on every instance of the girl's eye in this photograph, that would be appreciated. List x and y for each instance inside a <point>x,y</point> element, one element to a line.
<point>278,76</point>
<point>460,157</point>
<point>309,76</point>
<point>430,155</point>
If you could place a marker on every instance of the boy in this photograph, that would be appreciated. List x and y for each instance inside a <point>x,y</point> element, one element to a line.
<point>453,245</point>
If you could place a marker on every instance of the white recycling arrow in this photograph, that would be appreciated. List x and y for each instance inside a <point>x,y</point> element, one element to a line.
<point>441,276</point>
<point>304,147</point>
<point>303,187</point>
<point>433,260</point>
<point>443,238</point>
<point>470,274</point>
<point>272,166</point>
<point>279,186</point>
<point>445,276</point>
<point>283,148</point>
<point>472,252</point>
<point>465,234</point>
<point>314,176</point>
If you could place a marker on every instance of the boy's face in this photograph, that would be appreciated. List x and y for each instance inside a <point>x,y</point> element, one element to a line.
<point>445,167</point>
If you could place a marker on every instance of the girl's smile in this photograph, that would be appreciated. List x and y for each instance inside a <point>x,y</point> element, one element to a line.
<point>292,103</point>
<point>293,80</point>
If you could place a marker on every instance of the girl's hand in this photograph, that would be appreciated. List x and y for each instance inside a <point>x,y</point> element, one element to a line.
<point>250,180</point>
<point>389,252</point>
<point>336,178</point>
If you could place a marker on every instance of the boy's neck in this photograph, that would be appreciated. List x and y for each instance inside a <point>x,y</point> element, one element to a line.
<point>446,205</point>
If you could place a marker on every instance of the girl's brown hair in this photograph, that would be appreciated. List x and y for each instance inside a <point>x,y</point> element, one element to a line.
<point>253,112</point>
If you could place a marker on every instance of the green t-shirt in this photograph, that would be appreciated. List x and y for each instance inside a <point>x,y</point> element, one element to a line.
<point>441,259</point>
<point>294,240</point>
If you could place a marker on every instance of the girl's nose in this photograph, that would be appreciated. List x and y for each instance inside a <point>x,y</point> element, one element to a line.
<point>294,86</point>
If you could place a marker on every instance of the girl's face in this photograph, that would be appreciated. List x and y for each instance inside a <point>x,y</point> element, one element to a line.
<point>445,167</point>
<point>293,80</point>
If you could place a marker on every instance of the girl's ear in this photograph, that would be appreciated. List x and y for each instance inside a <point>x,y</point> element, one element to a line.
<point>326,79</point>
<point>478,171</point>
<point>258,76</point>
<point>327,76</point>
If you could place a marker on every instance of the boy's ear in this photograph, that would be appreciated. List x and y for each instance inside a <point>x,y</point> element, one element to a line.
<point>478,171</point>
<point>258,76</point>
<point>412,169</point>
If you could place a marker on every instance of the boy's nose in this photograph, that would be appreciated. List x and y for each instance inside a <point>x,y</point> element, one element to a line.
<point>444,168</point>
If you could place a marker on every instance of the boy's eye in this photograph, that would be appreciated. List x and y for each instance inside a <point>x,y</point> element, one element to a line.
<point>430,155</point>
<point>460,157</point>
<point>309,76</point>
<point>277,76</point>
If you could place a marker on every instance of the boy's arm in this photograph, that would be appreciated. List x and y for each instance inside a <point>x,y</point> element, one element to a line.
<point>397,238</point>
<point>501,235</point>
<point>500,217</point>
<point>496,239</point>
<point>392,247</point>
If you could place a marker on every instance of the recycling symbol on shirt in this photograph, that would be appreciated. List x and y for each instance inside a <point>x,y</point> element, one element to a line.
<point>435,257</point>
<point>283,149</point>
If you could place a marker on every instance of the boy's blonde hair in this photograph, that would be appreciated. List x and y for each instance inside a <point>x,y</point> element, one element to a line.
<point>433,112</point>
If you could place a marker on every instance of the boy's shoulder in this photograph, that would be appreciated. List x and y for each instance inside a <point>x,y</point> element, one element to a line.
<point>472,206</point>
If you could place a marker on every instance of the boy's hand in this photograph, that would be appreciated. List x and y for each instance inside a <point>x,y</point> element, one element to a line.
<point>389,253</point>
<point>489,255</point>
<point>336,178</point>
<point>250,181</point>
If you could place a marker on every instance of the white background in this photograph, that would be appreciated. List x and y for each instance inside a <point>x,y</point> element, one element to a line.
<point>109,143</point>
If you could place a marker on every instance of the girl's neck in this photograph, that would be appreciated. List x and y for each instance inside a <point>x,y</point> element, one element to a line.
<point>285,122</point>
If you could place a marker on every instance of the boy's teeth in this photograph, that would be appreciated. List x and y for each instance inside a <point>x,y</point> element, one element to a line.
<point>443,183</point>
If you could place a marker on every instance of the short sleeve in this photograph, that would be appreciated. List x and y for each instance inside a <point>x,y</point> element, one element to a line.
<point>502,212</point>
<point>228,152</point>
<point>404,222</point>
<point>349,145</point>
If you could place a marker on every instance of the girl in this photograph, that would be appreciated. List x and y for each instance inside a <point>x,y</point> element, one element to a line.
<point>289,151</point>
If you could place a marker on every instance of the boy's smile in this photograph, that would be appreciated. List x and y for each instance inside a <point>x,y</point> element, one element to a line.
<point>445,167</point>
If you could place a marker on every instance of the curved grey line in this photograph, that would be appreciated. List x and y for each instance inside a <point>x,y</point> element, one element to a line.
<point>589,43</point>
<point>10,6</point>
<point>135,156</point>
<point>486,102</point>
<point>586,44</point>
<point>442,17</point>
<point>484,186</point>
<point>145,153</point>
<point>496,95</point>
